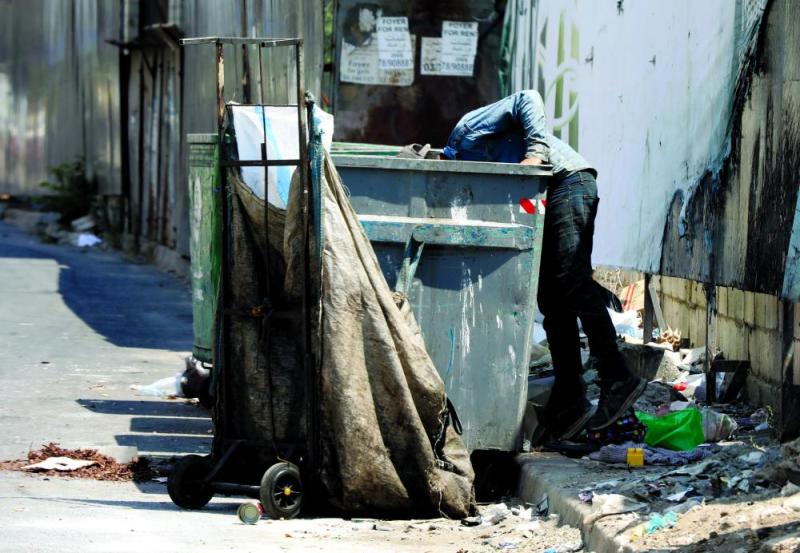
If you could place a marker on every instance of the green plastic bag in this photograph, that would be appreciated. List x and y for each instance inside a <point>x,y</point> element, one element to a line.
<point>681,430</point>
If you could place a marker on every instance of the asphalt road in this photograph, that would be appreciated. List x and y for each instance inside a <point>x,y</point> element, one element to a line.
<point>77,329</point>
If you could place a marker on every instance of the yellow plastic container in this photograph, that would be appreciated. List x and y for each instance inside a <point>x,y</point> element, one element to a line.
<point>635,457</point>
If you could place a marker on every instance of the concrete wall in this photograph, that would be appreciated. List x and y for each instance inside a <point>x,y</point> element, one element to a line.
<point>736,228</point>
<point>748,326</point>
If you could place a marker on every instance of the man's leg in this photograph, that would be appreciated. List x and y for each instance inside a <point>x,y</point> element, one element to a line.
<point>567,409</point>
<point>571,210</point>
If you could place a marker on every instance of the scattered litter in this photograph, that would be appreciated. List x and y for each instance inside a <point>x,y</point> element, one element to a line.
<point>679,496</point>
<point>250,512</point>
<point>471,521</point>
<point>606,485</point>
<point>658,521</point>
<point>670,337</point>
<point>626,429</point>
<point>753,458</point>
<point>618,453</point>
<point>627,323</point>
<point>790,489</point>
<point>586,496</point>
<point>525,514</point>
<point>494,514</point>
<point>543,507</point>
<point>686,506</point>
<point>692,385</point>
<point>695,356</point>
<point>681,430</point>
<point>87,240</point>
<point>762,427</point>
<point>168,387</point>
<point>760,415</point>
<point>717,426</point>
<point>62,464</point>
<point>82,224</point>
<point>635,457</point>
<point>613,503</point>
<point>693,470</point>
<point>565,548</point>
<point>657,396</point>
<point>680,405</point>
<point>99,467</point>
<point>508,545</point>
<point>530,528</point>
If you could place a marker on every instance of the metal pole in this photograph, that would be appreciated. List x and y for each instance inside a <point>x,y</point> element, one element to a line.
<point>309,363</point>
<point>711,338</point>
<point>647,334</point>
<point>221,358</point>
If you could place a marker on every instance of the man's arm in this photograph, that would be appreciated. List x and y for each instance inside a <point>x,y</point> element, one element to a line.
<point>528,110</point>
<point>523,110</point>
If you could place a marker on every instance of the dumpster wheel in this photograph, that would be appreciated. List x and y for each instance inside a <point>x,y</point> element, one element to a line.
<point>186,484</point>
<point>282,491</point>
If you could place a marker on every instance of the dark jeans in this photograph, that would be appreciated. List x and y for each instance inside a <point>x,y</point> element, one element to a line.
<point>568,292</point>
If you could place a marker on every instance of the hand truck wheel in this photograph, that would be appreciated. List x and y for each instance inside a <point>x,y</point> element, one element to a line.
<point>186,485</point>
<point>282,491</point>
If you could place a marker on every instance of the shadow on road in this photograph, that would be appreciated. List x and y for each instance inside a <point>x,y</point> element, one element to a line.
<point>159,429</point>
<point>130,305</point>
<point>220,508</point>
<point>155,408</point>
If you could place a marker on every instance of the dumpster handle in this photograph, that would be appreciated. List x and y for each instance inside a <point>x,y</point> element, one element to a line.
<point>410,261</point>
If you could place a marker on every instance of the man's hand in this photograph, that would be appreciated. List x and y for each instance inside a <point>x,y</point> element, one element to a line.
<point>531,161</point>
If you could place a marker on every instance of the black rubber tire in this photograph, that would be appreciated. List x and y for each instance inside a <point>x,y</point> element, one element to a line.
<point>282,491</point>
<point>185,485</point>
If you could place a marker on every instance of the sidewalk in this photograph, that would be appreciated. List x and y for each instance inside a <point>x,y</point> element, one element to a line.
<point>758,521</point>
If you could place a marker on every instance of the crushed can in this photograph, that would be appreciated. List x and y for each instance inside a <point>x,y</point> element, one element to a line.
<point>250,512</point>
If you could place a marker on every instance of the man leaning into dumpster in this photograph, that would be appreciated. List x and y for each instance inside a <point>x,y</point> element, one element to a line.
<point>513,130</point>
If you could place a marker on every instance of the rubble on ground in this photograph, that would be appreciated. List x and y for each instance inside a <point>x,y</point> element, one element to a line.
<point>509,526</point>
<point>731,487</point>
<point>52,460</point>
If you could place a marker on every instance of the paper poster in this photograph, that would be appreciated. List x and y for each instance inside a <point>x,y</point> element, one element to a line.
<point>359,65</point>
<point>394,44</point>
<point>459,44</point>
<point>430,56</point>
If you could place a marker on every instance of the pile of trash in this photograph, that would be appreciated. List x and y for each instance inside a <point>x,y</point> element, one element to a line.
<point>693,451</point>
<point>81,232</point>
<point>522,526</point>
<point>52,460</point>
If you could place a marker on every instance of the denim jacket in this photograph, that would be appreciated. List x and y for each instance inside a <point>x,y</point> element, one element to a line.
<point>510,130</point>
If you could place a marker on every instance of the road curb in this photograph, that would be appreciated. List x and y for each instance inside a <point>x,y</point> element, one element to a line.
<point>561,478</point>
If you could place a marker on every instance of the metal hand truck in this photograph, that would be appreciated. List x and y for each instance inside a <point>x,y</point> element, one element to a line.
<point>283,476</point>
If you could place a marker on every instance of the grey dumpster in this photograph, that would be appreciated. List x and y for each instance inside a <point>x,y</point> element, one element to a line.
<point>478,245</point>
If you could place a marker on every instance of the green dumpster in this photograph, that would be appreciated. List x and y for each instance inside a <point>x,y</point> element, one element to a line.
<point>205,248</point>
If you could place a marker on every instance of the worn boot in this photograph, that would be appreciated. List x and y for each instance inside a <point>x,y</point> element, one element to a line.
<point>615,398</point>
<point>564,423</point>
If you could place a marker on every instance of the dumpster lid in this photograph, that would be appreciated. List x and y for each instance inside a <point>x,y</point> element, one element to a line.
<point>405,164</point>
